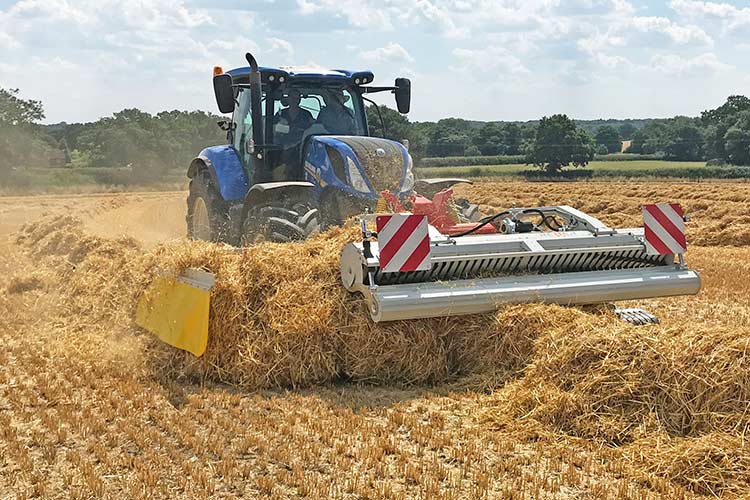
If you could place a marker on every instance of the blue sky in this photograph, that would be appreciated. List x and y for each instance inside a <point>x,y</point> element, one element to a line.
<point>478,59</point>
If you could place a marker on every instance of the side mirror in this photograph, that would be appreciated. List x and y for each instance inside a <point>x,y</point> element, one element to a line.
<point>224,93</point>
<point>403,95</point>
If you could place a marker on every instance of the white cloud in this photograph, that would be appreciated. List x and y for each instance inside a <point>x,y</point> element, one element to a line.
<point>236,44</point>
<point>492,61</point>
<point>358,13</point>
<point>672,64</point>
<point>59,10</point>
<point>433,14</point>
<point>281,45</point>
<point>615,44</point>
<point>308,7</point>
<point>732,18</point>
<point>661,25</point>
<point>158,54</point>
<point>629,33</point>
<point>8,42</point>
<point>391,53</point>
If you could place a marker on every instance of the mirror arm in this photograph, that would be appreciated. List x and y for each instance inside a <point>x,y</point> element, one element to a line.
<point>377,108</point>
<point>372,90</point>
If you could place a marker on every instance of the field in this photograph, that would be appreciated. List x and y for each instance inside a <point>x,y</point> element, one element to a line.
<point>45,180</point>
<point>635,168</point>
<point>299,396</point>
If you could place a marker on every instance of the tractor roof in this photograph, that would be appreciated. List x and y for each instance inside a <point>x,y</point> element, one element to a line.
<point>303,74</point>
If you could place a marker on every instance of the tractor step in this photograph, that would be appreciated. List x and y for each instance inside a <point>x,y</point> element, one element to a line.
<point>637,317</point>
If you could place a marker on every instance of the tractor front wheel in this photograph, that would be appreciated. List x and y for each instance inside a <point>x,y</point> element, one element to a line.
<point>279,224</point>
<point>207,217</point>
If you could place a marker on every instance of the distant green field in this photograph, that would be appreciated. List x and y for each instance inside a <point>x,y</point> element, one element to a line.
<point>644,165</point>
<point>637,167</point>
<point>89,179</point>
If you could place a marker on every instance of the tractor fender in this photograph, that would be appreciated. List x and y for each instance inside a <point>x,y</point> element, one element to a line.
<point>428,187</point>
<point>263,193</point>
<point>224,166</point>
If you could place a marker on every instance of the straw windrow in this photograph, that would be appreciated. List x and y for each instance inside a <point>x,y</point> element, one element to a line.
<point>279,316</point>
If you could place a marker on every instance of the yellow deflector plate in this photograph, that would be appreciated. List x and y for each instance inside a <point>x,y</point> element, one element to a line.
<point>176,310</point>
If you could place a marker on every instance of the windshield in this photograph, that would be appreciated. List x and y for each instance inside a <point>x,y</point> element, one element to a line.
<point>301,110</point>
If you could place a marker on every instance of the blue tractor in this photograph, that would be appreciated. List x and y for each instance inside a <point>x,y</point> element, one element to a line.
<point>299,156</point>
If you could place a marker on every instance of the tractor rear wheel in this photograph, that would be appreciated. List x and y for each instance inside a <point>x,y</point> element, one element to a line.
<point>279,224</point>
<point>207,214</point>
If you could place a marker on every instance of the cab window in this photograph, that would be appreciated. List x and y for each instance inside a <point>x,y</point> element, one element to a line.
<point>243,122</point>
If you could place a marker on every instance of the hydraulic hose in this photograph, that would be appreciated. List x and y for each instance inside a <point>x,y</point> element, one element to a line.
<point>484,222</point>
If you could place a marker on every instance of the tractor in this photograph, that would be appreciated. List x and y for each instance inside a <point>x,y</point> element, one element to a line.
<point>282,178</point>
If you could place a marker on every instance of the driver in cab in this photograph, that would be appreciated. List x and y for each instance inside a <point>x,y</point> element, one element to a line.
<point>290,123</point>
<point>294,117</point>
<point>336,116</point>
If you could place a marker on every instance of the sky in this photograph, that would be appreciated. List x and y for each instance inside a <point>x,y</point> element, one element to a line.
<point>474,59</point>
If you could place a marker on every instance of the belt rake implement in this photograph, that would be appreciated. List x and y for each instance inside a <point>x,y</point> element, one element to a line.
<point>553,254</point>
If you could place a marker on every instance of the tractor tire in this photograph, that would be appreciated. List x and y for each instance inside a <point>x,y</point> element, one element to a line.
<point>468,212</point>
<point>309,219</point>
<point>207,213</point>
<point>279,224</point>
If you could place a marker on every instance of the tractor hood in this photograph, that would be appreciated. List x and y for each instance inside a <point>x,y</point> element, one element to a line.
<point>368,165</point>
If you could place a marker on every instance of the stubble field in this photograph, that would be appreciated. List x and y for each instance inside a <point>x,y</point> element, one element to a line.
<point>299,396</point>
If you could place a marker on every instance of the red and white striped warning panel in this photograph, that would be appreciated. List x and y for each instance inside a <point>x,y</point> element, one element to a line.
<point>404,243</point>
<point>664,228</point>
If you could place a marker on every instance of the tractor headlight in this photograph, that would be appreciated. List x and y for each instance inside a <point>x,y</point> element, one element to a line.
<point>355,177</point>
<point>408,183</point>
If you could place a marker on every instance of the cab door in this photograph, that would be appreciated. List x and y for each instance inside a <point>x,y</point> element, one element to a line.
<point>243,132</point>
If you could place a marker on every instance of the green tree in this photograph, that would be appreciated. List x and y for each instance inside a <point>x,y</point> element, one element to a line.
<point>651,139</point>
<point>683,141</point>
<point>717,122</point>
<point>734,106</point>
<point>473,150</point>
<point>22,142</point>
<point>627,131</point>
<point>512,138</point>
<point>558,143</point>
<point>449,137</point>
<point>490,139</point>
<point>17,111</point>
<point>737,140</point>
<point>609,137</point>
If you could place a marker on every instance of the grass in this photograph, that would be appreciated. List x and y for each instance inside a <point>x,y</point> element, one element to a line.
<point>90,180</point>
<point>626,167</point>
<point>87,180</point>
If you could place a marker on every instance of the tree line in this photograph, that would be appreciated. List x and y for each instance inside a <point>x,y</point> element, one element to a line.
<point>720,135</point>
<point>153,144</point>
<point>150,145</point>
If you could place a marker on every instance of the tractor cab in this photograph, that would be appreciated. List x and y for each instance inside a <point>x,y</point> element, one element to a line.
<point>276,110</point>
<point>291,113</point>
